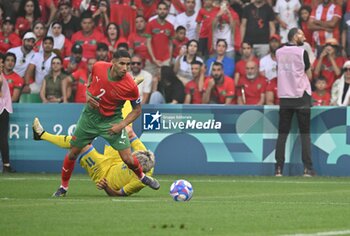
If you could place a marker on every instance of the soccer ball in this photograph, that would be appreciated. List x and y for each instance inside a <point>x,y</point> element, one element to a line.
<point>181,190</point>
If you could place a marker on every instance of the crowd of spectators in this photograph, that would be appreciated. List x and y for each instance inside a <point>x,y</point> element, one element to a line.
<point>187,51</point>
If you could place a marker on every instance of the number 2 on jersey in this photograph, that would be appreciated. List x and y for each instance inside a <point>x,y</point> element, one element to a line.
<point>102,93</point>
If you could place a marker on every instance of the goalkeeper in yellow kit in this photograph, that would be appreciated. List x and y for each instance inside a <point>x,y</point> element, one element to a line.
<point>107,170</point>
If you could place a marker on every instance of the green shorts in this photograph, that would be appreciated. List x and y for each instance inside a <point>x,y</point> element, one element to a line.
<point>92,124</point>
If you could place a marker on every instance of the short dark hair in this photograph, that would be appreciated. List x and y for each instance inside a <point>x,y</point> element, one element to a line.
<point>86,15</point>
<point>180,27</point>
<point>221,40</point>
<point>247,42</point>
<point>162,3</point>
<point>48,38</point>
<point>57,57</point>
<point>9,54</point>
<point>196,63</point>
<point>121,53</point>
<point>122,45</point>
<point>292,32</point>
<point>102,46</point>
<point>216,63</point>
<point>320,78</point>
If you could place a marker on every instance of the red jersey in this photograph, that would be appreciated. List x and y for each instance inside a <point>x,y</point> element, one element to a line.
<point>89,42</point>
<point>115,45</point>
<point>253,89</point>
<point>177,46</point>
<point>80,79</point>
<point>44,6</point>
<point>111,94</point>
<point>37,45</point>
<point>10,41</point>
<point>147,10</point>
<point>14,81</point>
<point>326,13</point>
<point>192,89</point>
<point>272,87</point>
<point>240,66</point>
<point>222,91</point>
<point>160,36</point>
<point>22,25</point>
<point>307,33</point>
<point>138,43</point>
<point>321,100</point>
<point>206,18</point>
<point>327,70</point>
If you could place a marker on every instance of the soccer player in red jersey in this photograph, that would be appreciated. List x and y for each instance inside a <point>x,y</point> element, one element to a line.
<point>109,87</point>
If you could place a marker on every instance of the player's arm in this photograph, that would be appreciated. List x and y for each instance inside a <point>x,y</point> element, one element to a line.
<point>130,118</point>
<point>103,185</point>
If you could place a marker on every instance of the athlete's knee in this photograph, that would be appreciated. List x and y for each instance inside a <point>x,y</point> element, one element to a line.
<point>73,153</point>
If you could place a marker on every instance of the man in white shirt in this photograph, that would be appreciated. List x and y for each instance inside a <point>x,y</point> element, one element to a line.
<point>138,73</point>
<point>24,53</point>
<point>188,19</point>
<point>287,16</point>
<point>39,66</point>
<point>268,63</point>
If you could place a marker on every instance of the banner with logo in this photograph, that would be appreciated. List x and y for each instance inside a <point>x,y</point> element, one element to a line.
<point>195,139</point>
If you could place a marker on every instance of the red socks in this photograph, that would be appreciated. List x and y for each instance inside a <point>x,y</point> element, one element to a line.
<point>67,170</point>
<point>137,168</point>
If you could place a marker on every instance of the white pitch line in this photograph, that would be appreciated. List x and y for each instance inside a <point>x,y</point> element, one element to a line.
<point>193,180</point>
<point>329,233</point>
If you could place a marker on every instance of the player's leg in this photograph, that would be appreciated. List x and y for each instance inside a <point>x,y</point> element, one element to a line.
<point>136,143</point>
<point>39,133</point>
<point>85,132</point>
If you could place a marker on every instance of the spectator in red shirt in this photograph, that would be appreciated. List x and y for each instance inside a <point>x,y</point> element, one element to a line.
<point>204,20</point>
<point>75,60</point>
<point>247,55</point>
<point>147,8</point>
<point>218,88</point>
<point>329,63</point>
<point>102,52</point>
<point>40,32</point>
<point>324,21</point>
<point>252,86</point>
<point>113,38</point>
<point>48,11</point>
<point>193,93</point>
<point>179,41</point>
<point>138,41</point>
<point>76,83</point>
<point>271,92</point>
<point>28,13</point>
<point>304,17</point>
<point>321,97</point>
<point>14,81</point>
<point>159,33</point>
<point>8,39</point>
<point>101,16</point>
<point>88,36</point>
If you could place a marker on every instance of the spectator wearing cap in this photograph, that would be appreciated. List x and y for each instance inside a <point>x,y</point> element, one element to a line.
<point>61,44</point>
<point>28,13</point>
<point>340,95</point>
<point>88,36</point>
<point>39,66</point>
<point>8,39</point>
<point>286,16</point>
<point>268,64</point>
<point>324,21</point>
<point>329,62</point>
<point>70,23</point>
<point>24,54</point>
<point>75,60</point>
<point>247,54</point>
<point>102,52</point>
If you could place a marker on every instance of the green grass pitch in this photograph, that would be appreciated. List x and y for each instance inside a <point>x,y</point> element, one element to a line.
<point>221,205</point>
